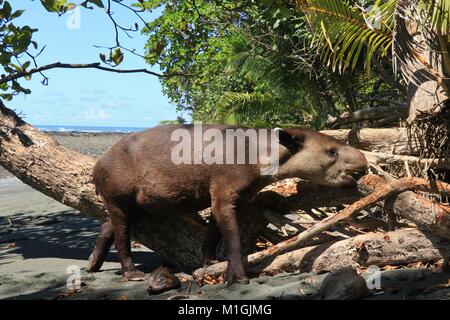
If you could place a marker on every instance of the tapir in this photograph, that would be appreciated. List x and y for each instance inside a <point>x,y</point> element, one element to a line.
<point>154,172</point>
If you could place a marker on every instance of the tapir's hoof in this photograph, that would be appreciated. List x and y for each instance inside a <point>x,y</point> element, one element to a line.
<point>161,280</point>
<point>240,280</point>
<point>93,264</point>
<point>234,278</point>
<point>134,275</point>
<point>235,274</point>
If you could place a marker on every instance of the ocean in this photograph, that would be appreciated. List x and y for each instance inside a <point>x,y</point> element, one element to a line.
<point>63,128</point>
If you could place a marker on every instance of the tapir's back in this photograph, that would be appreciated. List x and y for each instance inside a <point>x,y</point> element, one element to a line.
<point>153,167</point>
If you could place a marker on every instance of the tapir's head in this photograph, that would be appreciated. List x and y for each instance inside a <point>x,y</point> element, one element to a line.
<point>320,159</point>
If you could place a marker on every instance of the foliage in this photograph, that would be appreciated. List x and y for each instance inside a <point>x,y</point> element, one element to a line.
<point>258,63</point>
<point>345,32</point>
<point>253,63</point>
<point>15,40</point>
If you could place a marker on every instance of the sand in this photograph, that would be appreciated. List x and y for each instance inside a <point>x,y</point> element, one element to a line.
<point>42,240</point>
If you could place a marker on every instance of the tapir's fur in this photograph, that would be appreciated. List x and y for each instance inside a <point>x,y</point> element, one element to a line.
<point>138,176</point>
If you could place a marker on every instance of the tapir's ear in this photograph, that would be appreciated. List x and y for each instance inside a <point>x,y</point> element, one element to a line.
<point>293,142</point>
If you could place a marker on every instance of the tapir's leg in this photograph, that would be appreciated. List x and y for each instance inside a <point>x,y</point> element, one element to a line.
<point>224,212</point>
<point>121,222</point>
<point>210,243</point>
<point>104,241</point>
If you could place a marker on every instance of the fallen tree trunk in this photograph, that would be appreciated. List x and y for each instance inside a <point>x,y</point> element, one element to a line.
<point>379,249</point>
<point>372,113</point>
<point>385,140</point>
<point>426,214</point>
<point>65,175</point>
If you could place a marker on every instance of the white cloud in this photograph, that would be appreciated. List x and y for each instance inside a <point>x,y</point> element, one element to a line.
<point>111,104</point>
<point>96,114</point>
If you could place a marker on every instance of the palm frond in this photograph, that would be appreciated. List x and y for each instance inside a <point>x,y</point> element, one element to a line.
<point>238,104</point>
<point>439,11</point>
<point>261,69</point>
<point>342,31</point>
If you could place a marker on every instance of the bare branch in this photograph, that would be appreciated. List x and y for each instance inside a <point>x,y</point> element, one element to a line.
<point>96,65</point>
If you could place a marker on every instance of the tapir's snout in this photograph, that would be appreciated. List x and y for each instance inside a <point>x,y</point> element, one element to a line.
<point>356,165</point>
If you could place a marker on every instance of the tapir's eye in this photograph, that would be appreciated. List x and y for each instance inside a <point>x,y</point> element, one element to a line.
<point>332,152</point>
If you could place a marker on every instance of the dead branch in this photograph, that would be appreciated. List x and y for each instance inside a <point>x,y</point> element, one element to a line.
<point>426,214</point>
<point>95,65</point>
<point>392,159</point>
<point>386,191</point>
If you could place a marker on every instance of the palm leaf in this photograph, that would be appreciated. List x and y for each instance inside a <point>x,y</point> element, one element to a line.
<point>439,11</point>
<point>342,31</point>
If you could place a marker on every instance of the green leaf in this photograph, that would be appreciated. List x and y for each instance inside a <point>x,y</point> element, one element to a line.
<point>7,96</point>
<point>268,3</point>
<point>54,5</point>
<point>5,12</point>
<point>285,12</point>
<point>26,65</point>
<point>98,3</point>
<point>5,58</point>
<point>70,6</point>
<point>17,14</point>
<point>116,56</point>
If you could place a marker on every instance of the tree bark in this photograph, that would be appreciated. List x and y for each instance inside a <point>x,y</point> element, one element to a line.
<point>422,56</point>
<point>64,175</point>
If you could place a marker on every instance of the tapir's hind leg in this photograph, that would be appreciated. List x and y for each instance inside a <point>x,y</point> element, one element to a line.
<point>224,211</point>
<point>102,245</point>
<point>121,213</point>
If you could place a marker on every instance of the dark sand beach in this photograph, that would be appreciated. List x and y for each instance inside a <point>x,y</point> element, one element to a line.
<point>43,241</point>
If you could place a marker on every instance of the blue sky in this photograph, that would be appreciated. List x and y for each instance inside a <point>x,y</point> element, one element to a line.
<point>88,97</point>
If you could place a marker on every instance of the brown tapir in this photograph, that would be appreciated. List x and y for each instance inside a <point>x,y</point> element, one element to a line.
<point>139,176</point>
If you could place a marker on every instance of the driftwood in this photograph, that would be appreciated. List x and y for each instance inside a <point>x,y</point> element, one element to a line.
<point>372,249</point>
<point>372,113</point>
<point>440,225</point>
<point>385,140</point>
<point>426,214</point>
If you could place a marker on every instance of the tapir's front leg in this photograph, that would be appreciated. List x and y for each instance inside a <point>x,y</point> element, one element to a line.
<point>223,210</point>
